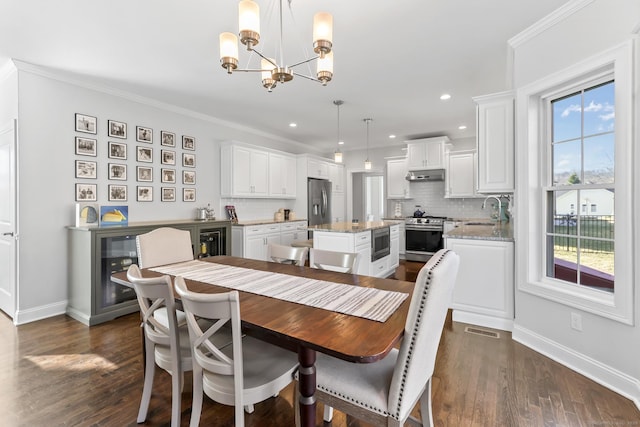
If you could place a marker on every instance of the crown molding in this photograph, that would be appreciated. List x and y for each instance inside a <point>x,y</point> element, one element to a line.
<point>548,21</point>
<point>7,69</point>
<point>65,78</point>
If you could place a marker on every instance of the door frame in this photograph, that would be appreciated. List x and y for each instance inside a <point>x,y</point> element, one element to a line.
<point>12,128</point>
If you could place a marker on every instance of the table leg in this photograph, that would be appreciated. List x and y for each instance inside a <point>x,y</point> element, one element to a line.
<point>307,383</point>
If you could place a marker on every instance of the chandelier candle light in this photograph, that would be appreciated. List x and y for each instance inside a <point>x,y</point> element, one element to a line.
<point>337,156</point>
<point>367,163</point>
<point>272,70</point>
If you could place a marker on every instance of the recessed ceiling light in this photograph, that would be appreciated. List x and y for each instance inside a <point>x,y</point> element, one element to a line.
<point>392,136</point>
<point>462,127</point>
<point>445,96</point>
<point>340,142</point>
<point>292,125</point>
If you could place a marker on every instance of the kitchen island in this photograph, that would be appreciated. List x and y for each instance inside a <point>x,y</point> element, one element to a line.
<point>377,257</point>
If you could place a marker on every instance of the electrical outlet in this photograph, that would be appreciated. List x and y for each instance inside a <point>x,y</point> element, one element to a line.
<point>576,321</point>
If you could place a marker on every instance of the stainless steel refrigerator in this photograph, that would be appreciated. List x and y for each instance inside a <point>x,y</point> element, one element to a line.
<point>319,201</point>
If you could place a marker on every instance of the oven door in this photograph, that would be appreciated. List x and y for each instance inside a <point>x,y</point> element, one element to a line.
<point>422,243</point>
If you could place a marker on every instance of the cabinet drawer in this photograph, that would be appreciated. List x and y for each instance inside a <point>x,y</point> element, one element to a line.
<point>252,230</point>
<point>363,239</point>
<point>379,266</point>
<point>394,230</point>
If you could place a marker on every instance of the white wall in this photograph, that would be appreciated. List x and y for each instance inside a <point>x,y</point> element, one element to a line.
<point>605,350</point>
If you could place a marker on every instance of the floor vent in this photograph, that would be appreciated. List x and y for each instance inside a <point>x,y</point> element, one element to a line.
<point>483,332</point>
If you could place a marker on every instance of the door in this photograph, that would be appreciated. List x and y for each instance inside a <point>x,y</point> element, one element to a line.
<point>8,226</point>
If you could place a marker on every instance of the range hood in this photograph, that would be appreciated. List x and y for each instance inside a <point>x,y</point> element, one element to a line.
<point>428,175</point>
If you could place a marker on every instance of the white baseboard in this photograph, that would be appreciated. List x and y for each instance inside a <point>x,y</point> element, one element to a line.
<point>605,375</point>
<point>39,313</point>
<point>483,320</point>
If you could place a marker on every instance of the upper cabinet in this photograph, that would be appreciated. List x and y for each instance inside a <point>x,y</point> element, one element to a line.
<point>397,184</point>
<point>460,176</point>
<point>317,168</point>
<point>495,142</point>
<point>336,176</point>
<point>427,153</point>
<point>249,172</point>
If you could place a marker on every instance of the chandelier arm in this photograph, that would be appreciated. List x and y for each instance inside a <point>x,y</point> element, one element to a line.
<point>303,75</point>
<point>249,70</point>
<point>264,57</point>
<point>305,61</point>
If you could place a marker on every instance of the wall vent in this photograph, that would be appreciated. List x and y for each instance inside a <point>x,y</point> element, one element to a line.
<point>483,332</point>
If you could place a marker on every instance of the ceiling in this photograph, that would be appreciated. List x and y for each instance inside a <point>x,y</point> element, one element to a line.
<point>393,60</point>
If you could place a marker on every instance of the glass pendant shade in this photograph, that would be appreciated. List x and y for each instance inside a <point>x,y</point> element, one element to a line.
<point>367,164</point>
<point>322,33</point>
<point>267,73</point>
<point>337,156</point>
<point>249,22</point>
<point>229,50</point>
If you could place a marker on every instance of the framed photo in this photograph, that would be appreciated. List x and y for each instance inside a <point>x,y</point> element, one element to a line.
<point>168,176</point>
<point>231,213</point>
<point>117,150</point>
<point>86,169</point>
<point>188,160</point>
<point>86,192</point>
<point>168,194</point>
<point>117,129</point>
<point>188,142</point>
<point>188,194</point>
<point>144,173</point>
<point>86,146</point>
<point>86,124</point>
<point>144,134</point>
<point>145,193</point>
<point>117,193</point>
<point>167,139</point>
<point>189,177</point>
<point>118,171</point>
<point>144,154</point>
<point>167,157</point>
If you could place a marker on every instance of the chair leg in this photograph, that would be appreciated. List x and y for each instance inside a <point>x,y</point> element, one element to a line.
<point>176,398</point>
<point>196,404</point>
<point>425,406</point>
<point>249,409</point>
<point>149,372</point>
<point>328,413</point>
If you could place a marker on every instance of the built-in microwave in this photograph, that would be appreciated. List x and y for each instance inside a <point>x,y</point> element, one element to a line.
<point>380,243</point>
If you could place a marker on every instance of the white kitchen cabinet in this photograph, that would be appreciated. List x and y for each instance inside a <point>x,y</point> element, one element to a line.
<point>394,234</point>
<point>402,239</point>
<point>338,207</point>
<point>244,172</point>
<point>397,184</point>
<point>282,176</point>
<point>460,176</point>
<point>317,168</point>
<point>484,291</point>
<point>495,142</point>
<point>251,241</point>
<point>336,176</point>
<point>291,231</point>
<point>359,243</point>
<point>427,153</point>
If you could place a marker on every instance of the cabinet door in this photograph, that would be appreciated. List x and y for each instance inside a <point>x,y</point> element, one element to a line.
<point>336,176</point>
<point>255,247</point>
<point>394,252</point>
<point>282,176</point>
<point>364,262</point>
<point>397,184</point>
<point>259,173</point>
<point>434,152</point>
<point>495,141</point>
<point>290,176</point>
<point>241,170</point>
<point>416,156</point>
<point>426,154</point>
<point>338,207</point>
<point>461,177</point>
<point>317,169</point>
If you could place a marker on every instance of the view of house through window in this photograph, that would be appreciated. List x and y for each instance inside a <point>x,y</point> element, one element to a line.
<point>580,243</point>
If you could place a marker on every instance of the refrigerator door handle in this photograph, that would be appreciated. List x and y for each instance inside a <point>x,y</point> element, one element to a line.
<point>324,202</point>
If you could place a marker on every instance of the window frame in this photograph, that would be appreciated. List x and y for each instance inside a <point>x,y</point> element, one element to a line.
<point>533,126</point>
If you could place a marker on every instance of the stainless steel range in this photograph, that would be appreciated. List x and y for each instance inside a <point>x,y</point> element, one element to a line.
<point>423,237</point>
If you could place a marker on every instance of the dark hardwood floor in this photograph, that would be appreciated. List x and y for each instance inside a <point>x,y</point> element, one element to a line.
<point>58,372</point>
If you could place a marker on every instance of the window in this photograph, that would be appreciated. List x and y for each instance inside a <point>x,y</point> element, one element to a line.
<point>575,160</point>
<point>580,249</point>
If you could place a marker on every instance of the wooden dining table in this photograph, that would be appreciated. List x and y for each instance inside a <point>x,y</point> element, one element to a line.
<point>307,330</point>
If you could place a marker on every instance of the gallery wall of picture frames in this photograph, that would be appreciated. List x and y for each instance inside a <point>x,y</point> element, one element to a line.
<point>117,165</point>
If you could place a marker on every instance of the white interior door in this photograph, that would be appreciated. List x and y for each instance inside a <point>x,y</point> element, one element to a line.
<point>8,228</point>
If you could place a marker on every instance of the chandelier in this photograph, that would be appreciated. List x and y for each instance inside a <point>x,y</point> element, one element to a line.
<point>276,71</point>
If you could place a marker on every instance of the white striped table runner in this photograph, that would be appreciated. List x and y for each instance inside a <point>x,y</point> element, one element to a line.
<point>368,303</point>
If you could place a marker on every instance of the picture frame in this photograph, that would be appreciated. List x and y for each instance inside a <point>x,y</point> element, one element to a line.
<point>117,193</point>
<point>86,123</point>
<point>188,143</point>
<point>168,139</point>
<point>86,169</point>
<point>117,171</point>
<point>86,192</point>
<point>114,215</point>
<point>144,154</point>
<point>117,129</point>
<point>86,146</point>
<point>144,134</point>
<point>188,194</point>
<point>189,177</point>
<point>87,214</point>
<point>167,157</point>
<point>144,193</point>
<point>168,176</point>
<point>188,160</point>
<point>117,150</point>
<point>144,174</point>
<point>231,213</point>
<point>168,194</point>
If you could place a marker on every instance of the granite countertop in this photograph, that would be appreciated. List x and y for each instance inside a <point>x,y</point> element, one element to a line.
<point>265,222</point>
<point>351,227</point>
<point>482,230</point>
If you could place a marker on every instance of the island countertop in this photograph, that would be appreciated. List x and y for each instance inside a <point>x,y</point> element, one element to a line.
<point>352,227</point>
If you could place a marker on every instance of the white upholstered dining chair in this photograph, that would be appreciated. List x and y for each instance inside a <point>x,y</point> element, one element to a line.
<point>383,393</point>
<point>164,245</point>
<point>287,254</point>
<point>247,372</point>
<point>344,262</point>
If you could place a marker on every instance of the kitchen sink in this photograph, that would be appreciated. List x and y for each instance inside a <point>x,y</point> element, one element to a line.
<point>480,223</point>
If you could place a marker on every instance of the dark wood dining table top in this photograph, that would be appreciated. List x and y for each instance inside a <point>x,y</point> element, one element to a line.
<point>292,325</point>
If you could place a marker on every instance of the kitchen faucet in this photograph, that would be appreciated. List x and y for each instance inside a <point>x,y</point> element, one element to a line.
<point>499,199</point>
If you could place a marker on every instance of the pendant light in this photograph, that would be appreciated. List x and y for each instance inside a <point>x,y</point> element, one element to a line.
<point>367,163</point>
<point>337,156</point>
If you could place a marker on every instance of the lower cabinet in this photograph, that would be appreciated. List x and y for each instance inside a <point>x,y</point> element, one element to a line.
<point>484,289</point>
<point>98,252</point>
<point>252,241</point>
